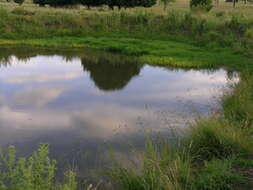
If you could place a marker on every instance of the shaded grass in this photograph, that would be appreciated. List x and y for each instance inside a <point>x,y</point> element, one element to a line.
<point>218,175</point>
<point>215,138</point>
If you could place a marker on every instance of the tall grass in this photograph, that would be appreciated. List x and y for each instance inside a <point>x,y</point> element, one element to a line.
<point>238,104</point>
<point>216,138</point>
<point>168,168</point>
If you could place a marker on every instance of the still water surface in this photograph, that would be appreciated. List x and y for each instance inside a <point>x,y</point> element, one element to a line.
<point>79,105</point>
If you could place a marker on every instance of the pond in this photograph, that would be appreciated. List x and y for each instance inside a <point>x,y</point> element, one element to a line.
<point>82,102</point>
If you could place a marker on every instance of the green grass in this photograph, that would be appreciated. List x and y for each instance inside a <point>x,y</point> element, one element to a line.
<point>216,138</point>
<point>175,38</point>
<point>238,104</point>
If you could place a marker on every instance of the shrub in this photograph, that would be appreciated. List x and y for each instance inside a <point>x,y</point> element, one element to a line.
<point>36,172</point>
<point>20,2</point>
<point>205,5</point>
<point>21,11</point>
<point>220,14</point>
<point>249,33</point>
<point>40,2</point>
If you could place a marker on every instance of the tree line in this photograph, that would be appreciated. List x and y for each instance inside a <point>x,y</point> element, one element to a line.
<point>95,3</point>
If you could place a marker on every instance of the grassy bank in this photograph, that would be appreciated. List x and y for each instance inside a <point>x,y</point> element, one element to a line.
<point>175,38</point>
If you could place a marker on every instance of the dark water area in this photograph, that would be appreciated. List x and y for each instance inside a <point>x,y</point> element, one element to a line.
<point>83,102</point>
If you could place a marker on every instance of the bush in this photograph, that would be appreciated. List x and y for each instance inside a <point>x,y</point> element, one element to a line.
<point>220,14</point>
<point>20,2</point>
<point>21,11</point>
<point>36,172</point>
<point>40,2</point>
<point>205,5</point>
<point>249,33</point>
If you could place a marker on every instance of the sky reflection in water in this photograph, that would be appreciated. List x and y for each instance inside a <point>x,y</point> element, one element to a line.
<point>77,106</point>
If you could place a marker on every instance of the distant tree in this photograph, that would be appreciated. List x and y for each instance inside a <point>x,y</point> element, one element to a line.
<point>61,3</point>
<point>166,2</point>
<point>234,3</point>
<point>201,4</point>
<point>40,2</point>
<point>130,3</point>
<point>20,2</point>
<point>92,3</point>
<point>95,3</point>
<point>118,3</point>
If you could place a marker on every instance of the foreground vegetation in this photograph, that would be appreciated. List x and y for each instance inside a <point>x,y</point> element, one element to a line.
<point>36,172</point>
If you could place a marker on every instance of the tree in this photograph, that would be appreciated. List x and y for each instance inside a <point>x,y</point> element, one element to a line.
<point>40,2</point>
<point>111,73</point>
<point>130,3</point>
<point>118,3</point>
<point>20,2</point>
<point>216,2</point>
<point>61,3</point>
<point>95,3</point>
<point>166,2</point>
<point>92,3</point>
<point>201,4</point>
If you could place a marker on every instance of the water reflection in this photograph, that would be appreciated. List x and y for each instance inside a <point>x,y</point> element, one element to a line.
<point>83,100</point>
<point>110,76</point>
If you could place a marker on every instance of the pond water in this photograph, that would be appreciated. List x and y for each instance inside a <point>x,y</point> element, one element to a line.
<point>81,103</point>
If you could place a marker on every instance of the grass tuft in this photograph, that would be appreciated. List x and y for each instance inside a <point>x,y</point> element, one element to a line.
<point>215,138</point>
